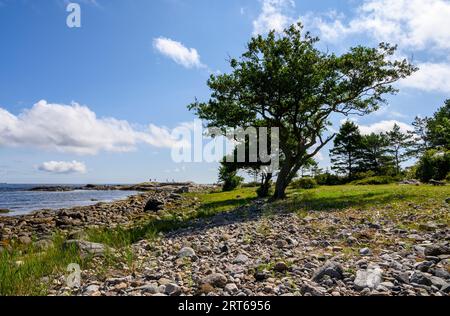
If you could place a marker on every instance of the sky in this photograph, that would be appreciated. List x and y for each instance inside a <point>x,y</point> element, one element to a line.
<point>97,103</point>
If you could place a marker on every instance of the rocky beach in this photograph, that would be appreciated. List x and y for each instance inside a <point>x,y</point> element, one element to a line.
<point>254,250</point>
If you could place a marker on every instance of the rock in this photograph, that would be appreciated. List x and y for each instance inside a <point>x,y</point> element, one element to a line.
<point>240,259</point>
<point>43,244</point>
<point>447,200</point>
<point>182,190</point>
<point>365,252</point>
<point>280,267</point>
<point>86,248</point>
<point>92,290</point>
<point>186,252</point>
<point>215,280</point>
<point>154,205</point>
<point>25,240</point>
<point>420,278</point>
<point>260,276</point>
<point>441,273</point>
<point>309,290</point>
<point>172,289</point>
<point>231,288</point>
<point>151,288</point>
<point>332,269</point>
<point>370,278</point>
<point>436,250</point>
<point>423,266</point>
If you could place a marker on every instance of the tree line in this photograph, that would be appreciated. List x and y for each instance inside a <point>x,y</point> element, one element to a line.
<point>356,156</point>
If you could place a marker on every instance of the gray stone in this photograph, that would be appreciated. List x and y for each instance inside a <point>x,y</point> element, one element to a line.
<point>436,250</point>
<point>86,248</point>
<point>154,205</point>
<point>332,269</point>
<point>231,288</point>
<point>186,252</point>
<point>365,252</point>
<point>43,244</point>
<point>370,278</point>
<point>91,289</point>
<point>151,288</point>
<point>25,240</point>
<point>420,278</point>
<point>423,266</point>
<point>241,259</point>
<point>172,289</point>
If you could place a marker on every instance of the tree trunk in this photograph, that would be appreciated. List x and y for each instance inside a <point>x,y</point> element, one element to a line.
<point>265,186</point>
<point>287,173</point>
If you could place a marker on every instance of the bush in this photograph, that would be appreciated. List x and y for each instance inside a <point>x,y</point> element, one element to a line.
<point>435,164</point>
<point>304,183</point>
<point>447,178</point>
<point>329,179</point>
<point>375,180</point>
<point>232,183</point>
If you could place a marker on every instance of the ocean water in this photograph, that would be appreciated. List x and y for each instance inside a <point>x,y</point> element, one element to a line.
<point>20,201</point>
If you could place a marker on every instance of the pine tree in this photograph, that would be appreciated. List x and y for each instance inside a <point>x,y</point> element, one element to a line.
<point>398,143</point>
<point>374,154</point>
<point>347,144</point>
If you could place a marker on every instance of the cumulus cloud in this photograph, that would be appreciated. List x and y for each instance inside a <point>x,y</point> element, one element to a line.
<point>63,167</point>
<point>76,129</point>
<point>384,126</point>
<point>274,16</point>
<point>417,24</point>
<point>186,57</point>
<point>430,77</point>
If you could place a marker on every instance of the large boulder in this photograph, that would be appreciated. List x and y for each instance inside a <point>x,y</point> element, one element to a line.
<point>154,205</point>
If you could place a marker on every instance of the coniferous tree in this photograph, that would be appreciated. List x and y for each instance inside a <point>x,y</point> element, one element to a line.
<point>398,144</point>
<point>374,154</point>
<point>346,152</point>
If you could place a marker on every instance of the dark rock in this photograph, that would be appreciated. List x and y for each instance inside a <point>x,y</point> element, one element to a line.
<point>260,276</point>
<point>280,267</point>
<point>436,250</point>
<point>154,205</point>
<point>420,278</point>
<point>331,269</point>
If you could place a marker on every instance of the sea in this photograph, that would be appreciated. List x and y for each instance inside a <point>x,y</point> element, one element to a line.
<point>20,201</point>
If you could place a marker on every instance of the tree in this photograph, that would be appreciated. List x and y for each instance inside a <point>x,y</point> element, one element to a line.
<point>346,151</point>
<point>398,143</point>
<point>373,155</point>
<point>439,127</point>
<point>419,143</point>
<point>228,176</point>
<point>284,81</point>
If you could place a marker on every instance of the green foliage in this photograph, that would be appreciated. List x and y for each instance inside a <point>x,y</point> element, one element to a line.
<point>447,178</point>
<point>329,179</point>
<point>285,81</point>
<point>377,180</point>
<point>374,154</point>
<point>346,151</point>
<point>439,127</point>
<point>228,176</point>
<point>398,143</point>
<point>304,183</point>
<point>434,165</point>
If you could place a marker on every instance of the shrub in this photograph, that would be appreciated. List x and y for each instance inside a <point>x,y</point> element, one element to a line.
<point>435,164</point>
<point>304,183</point>
<point>375,180</point>
<point>447,178</point>
<point>232,183</point>
<point>329,179</point>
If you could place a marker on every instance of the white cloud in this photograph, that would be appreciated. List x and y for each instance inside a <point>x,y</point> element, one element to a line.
<point>274,16</point>
<point>417,24</point>
<point>63,167</point>
<point>76,129</point>
<point>430,77</point>
<point>187,57</point>
<point>384,126</point>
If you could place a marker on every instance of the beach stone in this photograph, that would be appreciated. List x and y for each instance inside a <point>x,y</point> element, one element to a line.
<point>25,240</point>
<point>91,290</point>
<point>172,289</point>
<point>369,278</point>
<point>420,278</point>
<point>87,248</point>
<point>186,252</point>
<point>332,269</point>
<point>215,280</point>
<point>154,205</point>
<point>231,288</point>
<point>151,288</point>
<point>240,259</point>
<point>365,252</point>
<point>280,267</point>
<point>436,250</point>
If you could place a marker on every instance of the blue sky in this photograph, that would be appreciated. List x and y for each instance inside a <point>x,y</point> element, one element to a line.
<point>76,103</point>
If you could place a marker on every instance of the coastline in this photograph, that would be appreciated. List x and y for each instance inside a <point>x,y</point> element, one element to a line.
<point>42,224</point>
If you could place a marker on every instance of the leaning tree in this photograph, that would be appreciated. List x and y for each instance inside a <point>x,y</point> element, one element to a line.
<point>285,81</point>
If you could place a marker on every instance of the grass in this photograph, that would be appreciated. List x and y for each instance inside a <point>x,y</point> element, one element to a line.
<point>28,271</point>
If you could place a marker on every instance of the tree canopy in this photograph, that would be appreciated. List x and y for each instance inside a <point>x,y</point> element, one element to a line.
<point>284,81</point>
